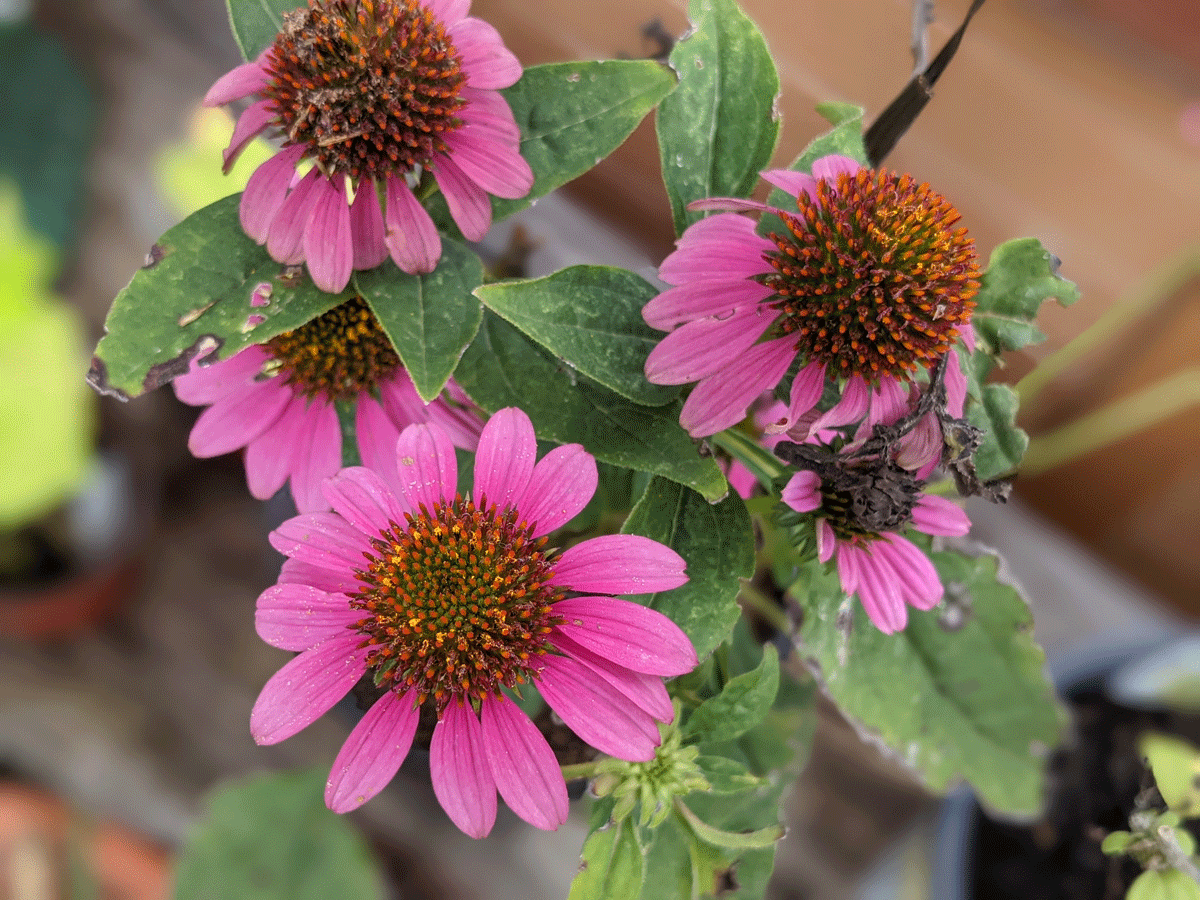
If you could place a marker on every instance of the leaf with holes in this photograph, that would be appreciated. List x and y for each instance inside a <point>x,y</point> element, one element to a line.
<point>719,127</point>
<point>429,318</point>
<point>205,289</point>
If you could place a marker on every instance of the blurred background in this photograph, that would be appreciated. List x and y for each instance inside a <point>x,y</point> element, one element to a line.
<point>127,691</point>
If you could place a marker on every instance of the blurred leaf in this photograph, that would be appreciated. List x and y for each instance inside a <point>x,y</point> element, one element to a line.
<point>272,837</point>
<point>955,696</point>
<point>740,706</point>
<point>719,127</point>
<point>591,318</point>
<point>429,318</point>
<point>257,22</point>
<point>1168,884</point>
<point>502,367</point>
<point>612,866</point>
<point>194,293</point>
<point>717,542</point>
<point>1176,767</point>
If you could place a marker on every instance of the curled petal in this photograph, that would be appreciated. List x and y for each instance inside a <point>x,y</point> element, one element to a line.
<point>940,515</point>
<point>803,492</point>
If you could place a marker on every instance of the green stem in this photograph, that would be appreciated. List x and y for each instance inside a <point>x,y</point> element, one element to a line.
<point>765,607</point>
<point>1118,420</point>
<point>732,840</point>
<point>1159,287</point>
<point>753,455</point>
<point>581,770</point>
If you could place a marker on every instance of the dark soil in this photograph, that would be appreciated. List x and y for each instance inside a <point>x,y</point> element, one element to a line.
<point>1093,785</point>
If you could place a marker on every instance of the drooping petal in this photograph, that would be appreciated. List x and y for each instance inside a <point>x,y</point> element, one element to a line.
<point>504,460</point>
<point>412,238</point>
<point>363,499</point>
<point>238,418</point>
<point>940,515</point>
<point>368,232</point>
<point>299,616</point>
<point>629,634</point>
<point>270,458</point>
<point>847,566</point>
<point>495,166</point>
<point>562,483</point>
<point>426,467</point>
<point>376,435</point>
<point>879,594</point>
<point>467,201</point>
<point>328,248</point>
<point>699,299</point>
<point>257,117</point>
<point>523,765</point>
<point>205,384</point>
<point>705,346</point>
<point>266,191</point>
<point>458,767</point>
<point>373,752</point>
<point>317,457</point>
<point>956,385</point>
<point>826,542</point>
<point>285,237</point>
<point>321,538</point>
<point>619,564</point>
<point>307,687</point>
<point>485,59</point>
<point>803,492</point>
<point>852,406</point>
<point>721,401</point>
<point>807,388</point>
<point>913,571</point>
<point>240,81</point>
<point>596,711</point>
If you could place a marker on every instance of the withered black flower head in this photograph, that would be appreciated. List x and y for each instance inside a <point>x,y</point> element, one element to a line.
<point>369,87</point>
<point>872,277</point>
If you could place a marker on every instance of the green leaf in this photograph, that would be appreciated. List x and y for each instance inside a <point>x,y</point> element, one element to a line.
<point>743,703</point>
<point>962,696</point>
<point>429,318</point>
<point>613,865</point>
<point>272,837</point>
<point>49,114</point>
<point>668,874</point>
<point>844,139</point>
<point>192,295</point>
<point>1176,767</point>
<point>502,367</point>
<point>1020,277</point>
<point>1115,842</point>
<point>255,23</point>
<point>717,542</point>
<point>591,318</point>
<point>1168,884</point>
<point>1003,444</point>
<point>719,127</point>
<point>725,775</point>
<point>571,116</point>
<point>732,840</point>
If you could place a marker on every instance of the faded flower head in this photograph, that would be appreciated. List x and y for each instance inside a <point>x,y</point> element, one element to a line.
<point>451,603</point>
<point>868,282</point>
<point>277,400</point>
<point>373,94</point>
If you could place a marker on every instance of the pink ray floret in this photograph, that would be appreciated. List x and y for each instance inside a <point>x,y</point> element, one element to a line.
<point>600,668</point>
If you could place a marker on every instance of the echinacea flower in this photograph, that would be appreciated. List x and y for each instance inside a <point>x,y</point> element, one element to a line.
<point>868,282</point>
<point>860,511</point>
<point>373,94</point>
<point>449,603</point>
<point>278,401</point>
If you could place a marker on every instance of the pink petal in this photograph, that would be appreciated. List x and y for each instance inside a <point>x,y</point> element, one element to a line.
<point>647,692</point>
<point>401,400</point>
<point>266,191</point>
<point>629,634</point>
<point>205,384</point>
<point>504,461</point>
<point>879,594</point>
<point>852,406</point>
<point>490,112</point>
<point>715,232</point>
<point>830,167</point>
<point>495,166</point>
<point>364,500</point>
<point>307,687</point>
<point>523,765</point>
<point>485,59</point>
<point>562,483</point>
<point>826,541</point>
<point>240,81</point>
<point>249,124</point>
<point>729,204</point>
<point>412,238</point>
<point>698,299</point>
<point>298,616</point>
<point>468,202</point>
<point>596,711</point>
<point>377,434</point>
<point>940,515</point>
<point>448,12</point>
<point>912,571</point>
<point>888,402</point>
<point>333,581</point>
<point>956,385</point>
<point>803,492</point>
<point>807,388</point>
<point>237,419</point>
<point>739,256</point>
<point>704,346</point>
<point>619,564</point>
<point>323,539</point>
<point>317,456</point>
<point>794,183</point>
<point>847,567</point>
<point>285,237</point>
<point>458,767</point>
<point>426,467</point>
<point>327,244</point>
<point>368,233</point>
<point>721,400</point>
<point>271,457</point>
<point>373,752</point>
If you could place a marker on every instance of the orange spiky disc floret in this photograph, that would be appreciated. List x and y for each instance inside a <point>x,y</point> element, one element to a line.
<point>872,278</point>
<point>458,602</point>
<point>370,87</point>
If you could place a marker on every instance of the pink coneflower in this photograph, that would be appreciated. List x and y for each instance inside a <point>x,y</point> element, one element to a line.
<point>868,283</point>
<point>452,602</point>
<point>277,400</point>
<point>861,511</point>
<point>374,95</point>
